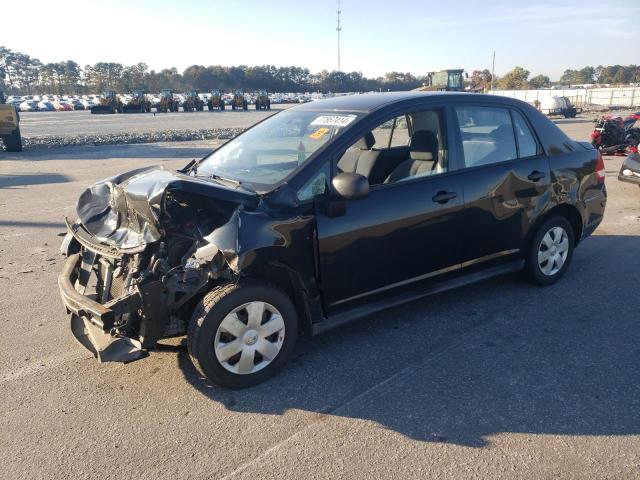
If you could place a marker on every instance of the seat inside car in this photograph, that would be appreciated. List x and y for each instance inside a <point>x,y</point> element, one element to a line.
<point>360,158</point>
<point>423,158</point>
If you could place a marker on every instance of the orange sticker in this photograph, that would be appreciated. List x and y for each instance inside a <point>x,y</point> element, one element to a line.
<point>319,133</point>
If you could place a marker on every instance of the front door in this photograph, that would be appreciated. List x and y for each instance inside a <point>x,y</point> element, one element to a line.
<point>407,230</point>
<point>397,235</point>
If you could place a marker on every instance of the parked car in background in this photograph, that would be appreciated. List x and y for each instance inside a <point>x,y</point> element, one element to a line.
<point>29,106</point>
<point>45,106</point>
<point>62,105</point>
<point>630,170</point>
<point>88,103</point>
<point>357,203</point>
<point>77,104</point>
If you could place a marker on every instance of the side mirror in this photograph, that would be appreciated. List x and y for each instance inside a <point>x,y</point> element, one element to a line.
<point>351,186</point>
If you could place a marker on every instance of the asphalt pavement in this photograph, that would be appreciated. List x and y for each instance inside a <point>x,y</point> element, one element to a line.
<point>497,380</point>
<point>82,122</point>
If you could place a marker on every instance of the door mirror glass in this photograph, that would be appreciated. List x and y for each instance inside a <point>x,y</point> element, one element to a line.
<point>351,186</point>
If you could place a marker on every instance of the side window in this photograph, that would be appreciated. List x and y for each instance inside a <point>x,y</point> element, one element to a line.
<point>423,153</point>
<point>487,135</point>
<point>315,186</point>
<point>527,146</point>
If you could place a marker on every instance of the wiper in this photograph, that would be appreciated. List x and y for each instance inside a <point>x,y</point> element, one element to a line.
<point>221,179</point>
<point>224,179</point>
<point>191,166</point>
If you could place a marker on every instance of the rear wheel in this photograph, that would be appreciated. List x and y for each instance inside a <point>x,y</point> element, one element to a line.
<point>242,334</point>
<point>550,251</point>
<point>13,142</point>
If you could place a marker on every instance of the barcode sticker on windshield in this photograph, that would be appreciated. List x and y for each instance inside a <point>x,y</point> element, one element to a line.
<point>334,120</point>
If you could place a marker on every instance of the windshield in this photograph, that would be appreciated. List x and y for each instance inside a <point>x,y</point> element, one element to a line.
<point>273,149</point>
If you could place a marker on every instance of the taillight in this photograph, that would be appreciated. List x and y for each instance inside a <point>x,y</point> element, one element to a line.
<point>600,168</point>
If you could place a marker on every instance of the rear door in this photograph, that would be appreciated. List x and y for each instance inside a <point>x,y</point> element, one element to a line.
<point>506,181</point>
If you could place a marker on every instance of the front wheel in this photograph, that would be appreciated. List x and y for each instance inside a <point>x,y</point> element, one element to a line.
<point>242,334</point>
<point>13,142</point>
<point>550,251</point>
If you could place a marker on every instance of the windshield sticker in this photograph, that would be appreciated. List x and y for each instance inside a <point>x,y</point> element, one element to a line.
<point>334,120</point>
<point>319,133</point>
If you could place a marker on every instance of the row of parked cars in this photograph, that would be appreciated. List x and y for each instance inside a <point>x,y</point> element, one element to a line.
<point>47,103</point>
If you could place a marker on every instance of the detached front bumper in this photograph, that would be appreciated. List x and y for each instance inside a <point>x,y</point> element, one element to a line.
<point>92,322</point>
<point>77,303</point>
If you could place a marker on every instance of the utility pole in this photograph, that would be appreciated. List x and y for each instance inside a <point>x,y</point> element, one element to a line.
<point>493,69</point>
<point>338,30</point>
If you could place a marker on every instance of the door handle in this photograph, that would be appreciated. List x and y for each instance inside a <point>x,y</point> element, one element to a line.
<point>536,176</point>
<point>444,197</point>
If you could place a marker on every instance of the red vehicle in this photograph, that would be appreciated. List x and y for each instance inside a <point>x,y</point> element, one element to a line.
<point>62,105</point>
<point>615,135</point>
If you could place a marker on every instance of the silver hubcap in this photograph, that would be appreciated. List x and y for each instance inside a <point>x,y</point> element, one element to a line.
<point>249,338</point>
<point>553,251</point>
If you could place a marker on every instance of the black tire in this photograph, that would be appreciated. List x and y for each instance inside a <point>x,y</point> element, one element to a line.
<point>13,142</point>
<point>210,313</point>
<point>533,271</point>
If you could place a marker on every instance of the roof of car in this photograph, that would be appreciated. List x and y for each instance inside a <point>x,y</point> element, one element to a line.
<point>368,102</point>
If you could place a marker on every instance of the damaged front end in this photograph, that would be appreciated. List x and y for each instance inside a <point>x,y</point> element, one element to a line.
<point>146,246</point>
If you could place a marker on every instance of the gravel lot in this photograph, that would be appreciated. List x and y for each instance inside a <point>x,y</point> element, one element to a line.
<point>499,380</point>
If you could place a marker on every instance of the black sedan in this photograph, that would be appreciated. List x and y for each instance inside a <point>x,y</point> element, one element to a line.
<point>321,214</point>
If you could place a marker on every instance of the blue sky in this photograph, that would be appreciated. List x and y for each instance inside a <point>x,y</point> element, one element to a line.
<point>377,36</point>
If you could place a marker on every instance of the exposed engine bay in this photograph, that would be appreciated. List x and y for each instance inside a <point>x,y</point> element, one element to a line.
<point>145,245</point>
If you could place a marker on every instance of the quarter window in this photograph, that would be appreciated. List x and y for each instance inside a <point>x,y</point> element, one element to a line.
<point>316,186</point>
<point>487,135</point>
<point>392,133</point>
<point>527,146</point>
<point>401,135</point>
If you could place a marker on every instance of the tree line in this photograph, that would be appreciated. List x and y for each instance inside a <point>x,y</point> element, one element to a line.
<point>24,75</point>
<point>518,78</point>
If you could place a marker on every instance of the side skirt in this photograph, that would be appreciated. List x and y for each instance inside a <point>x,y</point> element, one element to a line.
<point>378,305</point>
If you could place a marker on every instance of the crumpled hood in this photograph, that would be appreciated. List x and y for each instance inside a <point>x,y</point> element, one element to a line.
<point>124,211</point>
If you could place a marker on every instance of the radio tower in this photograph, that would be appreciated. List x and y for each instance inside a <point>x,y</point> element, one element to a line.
<point>338,29</point>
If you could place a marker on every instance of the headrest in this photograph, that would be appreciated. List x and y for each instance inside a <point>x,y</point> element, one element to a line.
<point>424,146</point>
<point>366,142</point>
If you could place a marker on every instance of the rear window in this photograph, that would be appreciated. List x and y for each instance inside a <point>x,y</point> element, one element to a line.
<point>487,135</point>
